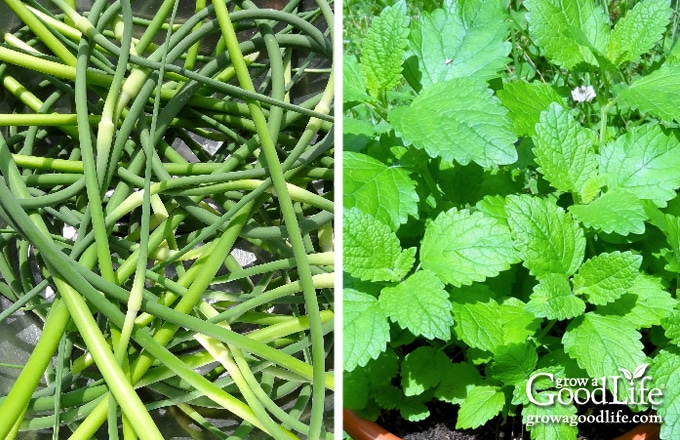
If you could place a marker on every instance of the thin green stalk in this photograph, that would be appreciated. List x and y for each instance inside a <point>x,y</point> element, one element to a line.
<point>278,179</point>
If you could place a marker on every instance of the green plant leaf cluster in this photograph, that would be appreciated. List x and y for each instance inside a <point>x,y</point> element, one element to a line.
<point>512,224</point>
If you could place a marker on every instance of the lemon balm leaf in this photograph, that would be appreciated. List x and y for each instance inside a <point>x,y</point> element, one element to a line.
<point>550,431</point>
<point>383,48</point>
<point>386,193</point>
<point>459,120</point>
<point>552,298</point>
<point>478,319</point>
<point>603,344</point>
<point>645,304</point>
<point>463,247</point>
<point>365,329</point>
<point>420,304</point>
<point>645,161</point>
<point>462,39</point>
<point>547,239</point>
<point>371,250</point>
<point>481,405</point>
<point>617,211</point>
<point>656,93</point>
<point>607,276</point>
<point>567,31</point>
<point>638,32</point>
<point>665,372</point>
<point>353,82</point>
<point>564,150</point>
<point>421,370</point>
<point>525,102</point>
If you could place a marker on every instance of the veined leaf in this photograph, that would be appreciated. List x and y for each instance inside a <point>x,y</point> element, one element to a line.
<point>459,120</point>
<point>481,405</point>
<point>477,316</point>
<point>645,304</point>
<point>365,329</point>
<point>457,381</point>
<point>637,32</point>
<point>665,371</point>
<point>525,102</point>
<point>421,370</point>
<point>371,250</point>
<point>656,93</point>
<point>603,344</point>
<point>552,298</point>
<point>420,304</point>
<point>618,211</point>
<point>566,30</point>
<point>607,276</point>
<point>462,248</point>
<point>547,239</point>
<point>386,193</point>
<point>550,431</point>
<point>644,161</point>
<point>353,81</point>
<point>564,150</point>
<point>383,48</point>
<point>513,362</point>
<point>462,39</point>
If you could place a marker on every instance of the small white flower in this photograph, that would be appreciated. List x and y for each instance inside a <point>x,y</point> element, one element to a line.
<point>583,94</point>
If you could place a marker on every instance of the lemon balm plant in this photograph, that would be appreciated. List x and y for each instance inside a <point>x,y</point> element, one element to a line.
<point>167,145</point>
<point>511,213</point>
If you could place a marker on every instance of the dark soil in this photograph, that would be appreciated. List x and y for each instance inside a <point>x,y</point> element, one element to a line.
<point>441,426</point>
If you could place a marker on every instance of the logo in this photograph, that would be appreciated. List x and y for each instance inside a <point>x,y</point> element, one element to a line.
<point>629,389</point>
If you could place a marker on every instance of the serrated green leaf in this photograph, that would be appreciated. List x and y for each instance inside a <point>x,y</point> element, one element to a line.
<point>371,249</point>
<point>457,381</point>
<point>384,47</point>
<point>513,362</point>
<point>462,248</point>
<point>525,102</point>
<point>547,239</point>
<point>603,344</point>
<point>618,211</point>
<point>421,305</point>
<point>421,369</point>
<point>605,277</point>
<point>645,304</point>
<point>353,82</point>
<point>564,150</point>
<point>481,405</point>
<point>518,324</point>
<point>665,373</point>
<point>645,161</point>
<point>476,317</point>
<point>656,94</point>
<point>637,32</point>
<point>671,326</point>
<point>519,394</point>
<point>388,396</point>
<point>386,193</point>
<point>354,389</point>
<point>493,207</point>
<point>356,134</point>
<point>670,226</point>
<point>414,409</point>
<point>405,261</point>
<point>459,120</point>
<point>563,429</point>
<point>568,30</point>
<point>460,40</point>
<point>552,298</point>
<point>365,329</point>
<point>381,370</point>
